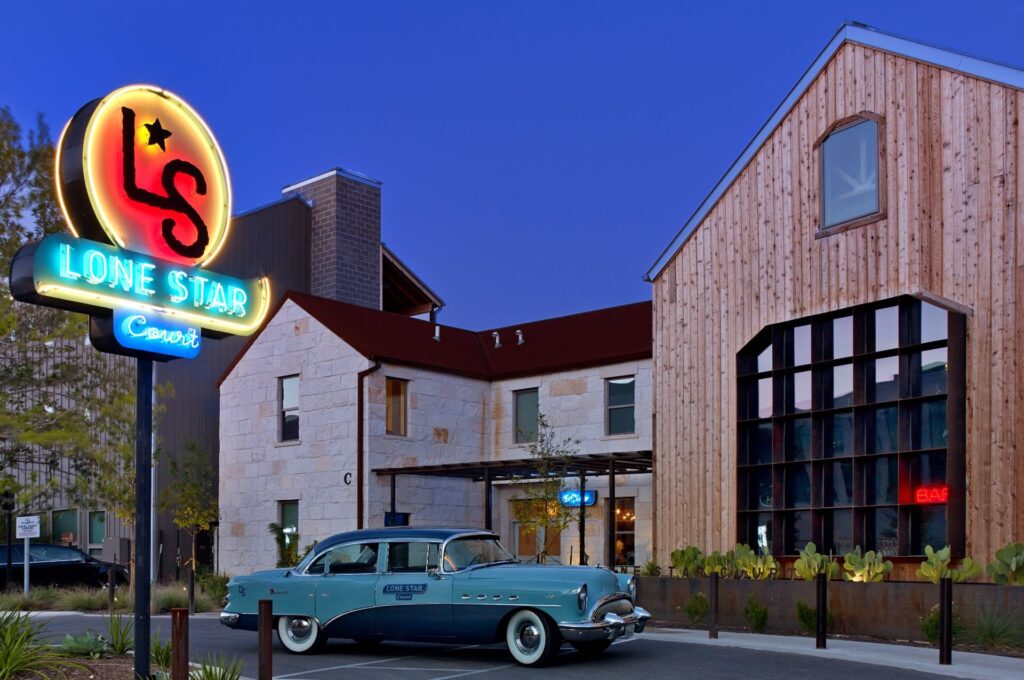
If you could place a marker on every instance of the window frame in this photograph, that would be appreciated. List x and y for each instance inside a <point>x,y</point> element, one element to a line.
<point>282,412</point>
<point>515,415</point>
<point>391,380</point>
<point>819,154</point>
<point>608,407</point>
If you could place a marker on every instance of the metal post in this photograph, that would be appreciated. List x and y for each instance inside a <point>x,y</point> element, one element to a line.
<point>610,529</point>
<point>488,499</point>
<point>822,611</point>
<point>266,625</point>
<point>945,621</point>
<point>179,644</point>
<point>393,500</point>
<point>583,517</point>
<point>111,584</point>
<point>143,494</point>
<point>713,628</point>
<point>8,505</point>
<point>24,562</point>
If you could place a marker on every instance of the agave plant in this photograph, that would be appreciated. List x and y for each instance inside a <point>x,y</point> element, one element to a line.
<point>1008,567</point>
<point>936,566</point>
<point>870,567</point>
<point>811,563</point>
<point>24,654</point>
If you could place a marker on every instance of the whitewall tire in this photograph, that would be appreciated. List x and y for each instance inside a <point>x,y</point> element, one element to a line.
<point>531,639</point>
<point>300,634</point>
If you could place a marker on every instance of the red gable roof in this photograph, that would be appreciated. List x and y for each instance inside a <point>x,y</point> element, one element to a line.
<point>603,336</point>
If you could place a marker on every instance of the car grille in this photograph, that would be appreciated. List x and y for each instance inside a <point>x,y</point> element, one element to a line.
<point>621,607</point>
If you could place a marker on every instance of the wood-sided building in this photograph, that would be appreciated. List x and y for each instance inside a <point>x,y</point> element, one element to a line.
<point>837,331</point>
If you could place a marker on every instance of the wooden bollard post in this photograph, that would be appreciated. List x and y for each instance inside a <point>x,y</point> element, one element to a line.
<point>713,628</point>
<point>945,621</point>
<point>179,643</point>
<point>266,626</point>
<point>111,585</point>
<point>822,611</point>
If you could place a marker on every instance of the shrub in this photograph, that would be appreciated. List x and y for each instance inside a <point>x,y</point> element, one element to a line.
<point>82,600</point>
<point>870,567</point>
<point>723,564</point>
<point>756,615</point>
<point>650,568</point>
<point>24,654</point>
<point>697,608</point>
<point>811,563</point>
<point>753,566</point>
<point>688,562</point>
<point>996,629</point>
<point>160,653</point>
<point>86,644</point>
<point>808,618</point>
<point>217,668</point>
<point>214,584</point>
<point>929,625</point>
<point>176,597</point>
<point>936,566</point>
<point>1008,567</point>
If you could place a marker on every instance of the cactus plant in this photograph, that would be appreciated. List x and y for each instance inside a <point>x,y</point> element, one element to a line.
<point>936,566</point>
<point>870,567</point>
<point>753,566</point>
<point>1008,567</point>
<point>811,563</point>
<point>723,564</point>
<point>688,562</point>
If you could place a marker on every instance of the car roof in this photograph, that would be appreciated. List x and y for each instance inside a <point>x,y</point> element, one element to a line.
<point>390,533</point>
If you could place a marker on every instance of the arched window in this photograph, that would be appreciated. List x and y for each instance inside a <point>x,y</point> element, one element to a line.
<point>852,167</point>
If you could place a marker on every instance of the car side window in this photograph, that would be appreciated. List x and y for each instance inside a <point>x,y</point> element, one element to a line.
<point>355,558</point>
<point>412,558</point>
<point>53,553</point>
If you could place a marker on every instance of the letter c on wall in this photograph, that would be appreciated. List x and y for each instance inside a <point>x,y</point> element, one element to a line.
<point>348,478</point>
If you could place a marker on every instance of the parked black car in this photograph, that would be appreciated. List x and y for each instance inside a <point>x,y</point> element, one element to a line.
<point>60,565</point>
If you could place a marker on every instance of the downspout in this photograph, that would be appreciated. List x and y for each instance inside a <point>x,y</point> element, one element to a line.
<point>360,453</point>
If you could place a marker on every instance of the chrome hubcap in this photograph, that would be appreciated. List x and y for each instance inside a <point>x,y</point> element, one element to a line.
<point>299,629</point>
<point>527,637</point>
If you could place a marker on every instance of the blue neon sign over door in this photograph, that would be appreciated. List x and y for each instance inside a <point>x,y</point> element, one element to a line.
<point>571,498</point>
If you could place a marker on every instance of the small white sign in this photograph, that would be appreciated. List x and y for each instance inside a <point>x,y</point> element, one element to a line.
<point>28,527</point>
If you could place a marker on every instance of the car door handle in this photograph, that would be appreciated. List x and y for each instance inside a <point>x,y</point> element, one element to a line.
<point>495,597</point>
<point>481,597</point>
<point>466,596</point>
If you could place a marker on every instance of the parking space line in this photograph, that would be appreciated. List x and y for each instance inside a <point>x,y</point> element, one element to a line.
<point>370,663</point>
<point>476,672</point>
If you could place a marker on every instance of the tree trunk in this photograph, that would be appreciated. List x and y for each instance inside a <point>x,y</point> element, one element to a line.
<point>192,579</point>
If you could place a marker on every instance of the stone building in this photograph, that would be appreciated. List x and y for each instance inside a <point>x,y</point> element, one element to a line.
<point>336,417</point>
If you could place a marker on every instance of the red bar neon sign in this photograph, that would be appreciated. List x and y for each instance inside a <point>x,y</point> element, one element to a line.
<point>931,494</point>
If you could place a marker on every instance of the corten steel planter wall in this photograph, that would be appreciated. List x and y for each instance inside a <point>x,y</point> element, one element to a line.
<point>886,610</point>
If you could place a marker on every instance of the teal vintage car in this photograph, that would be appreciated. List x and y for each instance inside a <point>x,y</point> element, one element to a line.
<point>457,586</point>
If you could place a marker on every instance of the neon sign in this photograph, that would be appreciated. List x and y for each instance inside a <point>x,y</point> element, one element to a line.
<point>145,191</point>
<point>931,494</point>
<point>571,498</point>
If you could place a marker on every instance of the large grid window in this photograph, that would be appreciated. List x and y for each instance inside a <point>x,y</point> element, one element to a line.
<point>851,431</point>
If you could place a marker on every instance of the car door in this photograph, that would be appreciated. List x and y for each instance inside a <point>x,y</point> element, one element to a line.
<point>344,592</point>
<point>413,600</point>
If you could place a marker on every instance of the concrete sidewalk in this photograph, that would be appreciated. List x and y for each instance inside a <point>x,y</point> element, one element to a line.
<point>924,659</point>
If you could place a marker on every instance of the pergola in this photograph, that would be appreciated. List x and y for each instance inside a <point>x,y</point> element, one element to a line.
<point>524,469</point>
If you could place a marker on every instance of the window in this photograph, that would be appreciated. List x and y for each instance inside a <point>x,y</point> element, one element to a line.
<point>625,532</point>
<point>527,414</point>
<point>867,445</point>
<point>65,526</point>
<point>97,532</point>
<point>288,397</point>
<point>397,406</point>
<point>354,558</point>
<point>851,183</point>
<point>412,558</point>
<point>620,401</point>
<point>289,511</point>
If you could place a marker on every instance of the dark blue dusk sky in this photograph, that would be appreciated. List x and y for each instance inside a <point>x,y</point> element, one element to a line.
<point>536,156</point>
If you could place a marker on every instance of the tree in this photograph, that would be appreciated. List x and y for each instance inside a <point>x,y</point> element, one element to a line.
<point>191,498</point>
<point>538,509</point>
<point>64,408</point>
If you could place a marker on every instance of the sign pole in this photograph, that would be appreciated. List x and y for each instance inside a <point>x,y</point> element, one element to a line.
<point>28,528</point>
<point>143,495</point>
<point>25,570</point>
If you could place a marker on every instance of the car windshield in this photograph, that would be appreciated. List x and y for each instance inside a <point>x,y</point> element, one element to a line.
<point>474,550</point>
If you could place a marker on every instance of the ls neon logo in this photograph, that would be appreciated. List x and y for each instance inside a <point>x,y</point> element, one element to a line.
<point>156,334</point>
<point>571,498</point>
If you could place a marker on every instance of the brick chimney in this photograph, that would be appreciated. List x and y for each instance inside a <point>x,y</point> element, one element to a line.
<point>344,261</point>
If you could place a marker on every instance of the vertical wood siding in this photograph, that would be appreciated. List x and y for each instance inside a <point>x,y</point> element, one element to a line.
<point>953,228</point>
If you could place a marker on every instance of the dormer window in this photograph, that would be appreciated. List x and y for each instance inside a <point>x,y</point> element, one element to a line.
<point>852,173</point>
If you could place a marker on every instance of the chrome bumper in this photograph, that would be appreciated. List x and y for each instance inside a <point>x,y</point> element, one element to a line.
<point>610,627</point>
<point>229,619</point>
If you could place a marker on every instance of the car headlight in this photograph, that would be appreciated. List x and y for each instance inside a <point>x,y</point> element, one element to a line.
<point>631,584</point>
<point>581,598</point>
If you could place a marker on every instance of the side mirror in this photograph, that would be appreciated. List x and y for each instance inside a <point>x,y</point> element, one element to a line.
<point>436,574</point>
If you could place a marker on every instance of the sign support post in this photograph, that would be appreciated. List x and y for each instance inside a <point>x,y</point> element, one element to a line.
<point>143,495</point>
<point>28,528</point>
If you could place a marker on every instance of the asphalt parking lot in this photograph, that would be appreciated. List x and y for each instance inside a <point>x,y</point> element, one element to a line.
<point>633,658</point>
